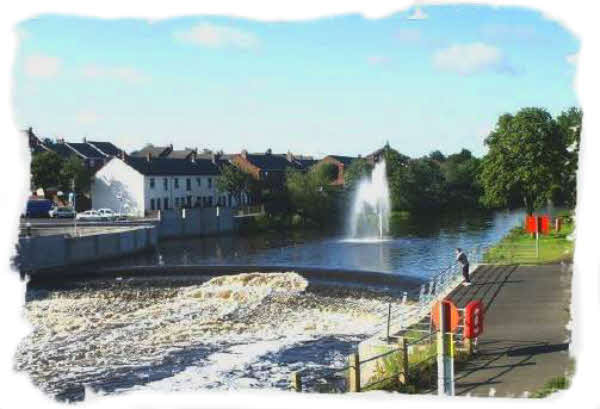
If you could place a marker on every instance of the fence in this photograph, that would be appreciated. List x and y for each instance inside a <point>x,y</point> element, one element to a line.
<point>414,345</point>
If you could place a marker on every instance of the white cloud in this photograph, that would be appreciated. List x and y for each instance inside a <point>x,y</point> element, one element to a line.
<point>467,59</point>
<point>42,66</point>
<point>418,14</point>
<point>126,74</point>
<point>377,59</point>
<point>87,117</point>
<point>572,58</point>
<point>210,35</point>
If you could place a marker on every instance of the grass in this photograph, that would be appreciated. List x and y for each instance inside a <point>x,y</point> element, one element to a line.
<point>551,386</point>
<point>519,247</point>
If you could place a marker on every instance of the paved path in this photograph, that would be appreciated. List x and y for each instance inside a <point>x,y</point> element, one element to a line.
<point>525,340</point>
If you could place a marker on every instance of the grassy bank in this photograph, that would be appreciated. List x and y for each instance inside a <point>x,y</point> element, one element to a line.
<point>519,246</point>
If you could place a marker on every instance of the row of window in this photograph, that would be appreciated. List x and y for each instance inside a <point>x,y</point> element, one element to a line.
<point>201,201</point>
<point>188,183</point>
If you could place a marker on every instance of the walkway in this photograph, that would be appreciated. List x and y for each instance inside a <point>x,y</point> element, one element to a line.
<point>525,340</point>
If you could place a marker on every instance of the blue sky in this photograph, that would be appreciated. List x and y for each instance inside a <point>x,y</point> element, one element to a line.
<point>424,79</point>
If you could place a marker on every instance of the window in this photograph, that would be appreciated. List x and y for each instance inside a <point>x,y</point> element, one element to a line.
<point>199,182</point>
<point>189,201</point>
<point>209,183</point>
<point>176,183</point>
<point>210,201</point>
<point>151,204</point>
<point>166,183</point>
<point>151,183</point>
<point>229,197</point>
<point>166,203</point>
<point>157,204</point>
<point>188,184</point>
<point>198,201</point>
<point>176,202</point>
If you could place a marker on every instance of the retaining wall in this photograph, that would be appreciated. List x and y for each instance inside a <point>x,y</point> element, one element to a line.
<point>195,222</point>
<point>47,252</point>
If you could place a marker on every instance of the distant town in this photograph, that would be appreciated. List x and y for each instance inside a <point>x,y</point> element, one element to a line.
<point>156,178</point>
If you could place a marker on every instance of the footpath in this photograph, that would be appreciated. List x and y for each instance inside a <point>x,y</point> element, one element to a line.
<point>525,340</point>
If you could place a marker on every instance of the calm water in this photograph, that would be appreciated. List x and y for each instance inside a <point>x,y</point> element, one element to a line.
<point>417,247</point>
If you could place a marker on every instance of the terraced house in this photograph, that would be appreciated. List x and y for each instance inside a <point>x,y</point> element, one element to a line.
<point>143,185</point>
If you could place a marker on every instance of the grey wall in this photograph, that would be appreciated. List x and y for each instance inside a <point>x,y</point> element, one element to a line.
<point>43,252</point>
<point>195,222</point>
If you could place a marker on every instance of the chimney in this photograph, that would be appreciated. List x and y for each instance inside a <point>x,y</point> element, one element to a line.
<point>193,156</point>
<point>244,154</point>
<point>149,156</point>
<point>289,156</point>
<point>60,140</point>
<point>122,155</point>
<point>84,139</point>
<point>214,158</point>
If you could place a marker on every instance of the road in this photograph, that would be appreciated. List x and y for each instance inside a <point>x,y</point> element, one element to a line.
<point>525,340</point>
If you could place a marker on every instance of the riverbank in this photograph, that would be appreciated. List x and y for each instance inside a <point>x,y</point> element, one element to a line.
<point>519,247</point>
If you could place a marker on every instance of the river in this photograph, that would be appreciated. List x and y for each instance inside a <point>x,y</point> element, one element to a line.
<point>252,330</point>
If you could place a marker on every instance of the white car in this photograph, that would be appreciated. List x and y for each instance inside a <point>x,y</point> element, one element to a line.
<point>60,212</point>
<point>108,214</point>
<point>89,215</point>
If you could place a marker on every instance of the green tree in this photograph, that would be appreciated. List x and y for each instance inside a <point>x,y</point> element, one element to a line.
<point>437,156</point>
<point>461,171</point>
<point>524,161</point>
<point>395,167</point>
<point>326,171</point>
<point>358,169</point>
<point>419,187</point>
<point>311,195</point>
<point>234,181</point>
<point>570,122</point>
<point>73,169</point>
<point>45,170</point>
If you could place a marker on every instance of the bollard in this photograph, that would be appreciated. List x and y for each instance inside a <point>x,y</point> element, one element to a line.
<point>468,346</point>
<point>296,382</point>
<point>354,373</point>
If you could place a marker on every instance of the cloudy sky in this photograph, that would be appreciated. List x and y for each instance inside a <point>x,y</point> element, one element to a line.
<point>424,79</point>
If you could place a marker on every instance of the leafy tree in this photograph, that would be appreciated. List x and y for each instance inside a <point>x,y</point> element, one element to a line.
<point>234,181</point>
<point>73,169</point>
<point>461,171</point>
<point>311,195</point>
<point>326,171</point>
<point>358,169</point>
<point>570,122</point>
<point>524,161</point>
<point>437,156</point>
<point>419,187</point>
<point>45,170</point>
<point>395,166</point>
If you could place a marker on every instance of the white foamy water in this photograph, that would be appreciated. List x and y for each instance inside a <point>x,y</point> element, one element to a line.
<point>230,332</point>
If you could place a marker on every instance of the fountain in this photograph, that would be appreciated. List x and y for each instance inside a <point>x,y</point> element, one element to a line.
<point>371,207</point>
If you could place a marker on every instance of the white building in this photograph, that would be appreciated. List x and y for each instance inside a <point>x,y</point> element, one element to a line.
<point>140,185</point>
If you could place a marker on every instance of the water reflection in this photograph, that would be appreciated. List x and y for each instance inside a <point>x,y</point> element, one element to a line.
<point>419,246</point>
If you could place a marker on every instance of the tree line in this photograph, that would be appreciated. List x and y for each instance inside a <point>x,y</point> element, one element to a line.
<point>531,159</point>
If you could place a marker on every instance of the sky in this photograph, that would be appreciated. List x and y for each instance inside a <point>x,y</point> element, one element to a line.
<point>425,79</point>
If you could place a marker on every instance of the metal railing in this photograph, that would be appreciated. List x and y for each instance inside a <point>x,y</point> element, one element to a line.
<point>415,308</point>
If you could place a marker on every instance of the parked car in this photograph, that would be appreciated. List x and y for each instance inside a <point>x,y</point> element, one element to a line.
<point>108,214</point>
<point>38,208</point>
<point>62,212</point>
<point>89,216</point>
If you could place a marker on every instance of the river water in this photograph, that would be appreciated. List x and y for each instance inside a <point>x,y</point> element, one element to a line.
<point>177,333</point>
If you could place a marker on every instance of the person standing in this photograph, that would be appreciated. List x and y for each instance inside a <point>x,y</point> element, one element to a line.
<point>461,257</point>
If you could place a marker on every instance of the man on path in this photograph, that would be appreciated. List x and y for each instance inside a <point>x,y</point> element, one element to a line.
<point>461,257</point>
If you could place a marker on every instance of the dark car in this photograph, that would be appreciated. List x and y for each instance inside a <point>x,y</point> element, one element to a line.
<point>38,208</point>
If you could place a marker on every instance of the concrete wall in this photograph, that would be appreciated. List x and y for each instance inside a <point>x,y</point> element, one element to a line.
<point>195,222</point>
<point>44,252</point>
